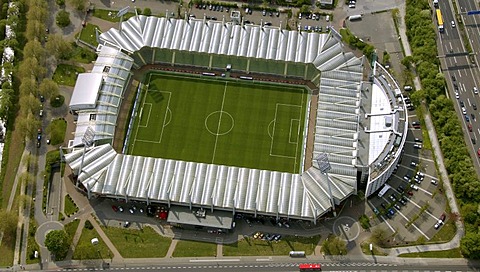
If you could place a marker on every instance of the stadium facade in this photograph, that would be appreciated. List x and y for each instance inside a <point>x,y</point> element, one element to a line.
<point>360,119</point>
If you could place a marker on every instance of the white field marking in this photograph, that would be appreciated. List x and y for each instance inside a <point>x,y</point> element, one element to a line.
<point>165,116</point>
<point>143,102</point>
<point>298,131</point>
<point>219,122</point>
<point>149,112</point>
<point>273,132</point>
<point>290,132</point>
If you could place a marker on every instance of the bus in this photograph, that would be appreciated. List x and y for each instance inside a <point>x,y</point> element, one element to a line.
<point>439,20</point>
<point>310,267</point>
<point>384,190</point>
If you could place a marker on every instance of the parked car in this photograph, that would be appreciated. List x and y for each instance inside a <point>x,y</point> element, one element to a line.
<point>391,211</point>
<point>114,208</point>
<point>126,224</point>
<point>376,211</point>
<point>120,208</point>
<point>474,106</point>
<point>470,128</point>
<point>414,187</point>
<point>401,188</point>
<point>434,182</point>
<point>417,146</point>
<point>416,124</point>
<point>438,224</point>
<point>413,164</point>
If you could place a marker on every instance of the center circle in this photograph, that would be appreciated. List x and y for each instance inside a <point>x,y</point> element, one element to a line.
<point>219,123</point>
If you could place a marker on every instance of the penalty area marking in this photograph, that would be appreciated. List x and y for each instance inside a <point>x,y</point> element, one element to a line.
<point>164,123</point>
<point>273,131</point>
<point>148,116</point>
<point>290,133</point>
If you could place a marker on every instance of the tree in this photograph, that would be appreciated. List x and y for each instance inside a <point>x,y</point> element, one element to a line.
<point>470,245</point>
<point>58,46</point>
<point>379,236</point>
<point>333,245</point>
<point>30,67</point>
<point>48,88</point>
<point>30,104</point>
<point>34,49</point>
<point>8,224</point>
<point>80,5</point>
<point>35,29</point>
<point>147,12</point>
<point>28,86</point>
<point>63,18</point>
<point>57,242</point>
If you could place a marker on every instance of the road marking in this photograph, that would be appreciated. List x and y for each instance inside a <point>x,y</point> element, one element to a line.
<point>214,260</point>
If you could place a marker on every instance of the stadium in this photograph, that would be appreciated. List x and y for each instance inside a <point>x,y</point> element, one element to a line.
<point>216,118</point>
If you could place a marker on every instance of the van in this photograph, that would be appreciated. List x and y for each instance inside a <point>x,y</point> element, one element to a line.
<point>297,253</point>
<point>408,88</point>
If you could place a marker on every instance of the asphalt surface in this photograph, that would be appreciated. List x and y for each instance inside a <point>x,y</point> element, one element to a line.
<point>460,71</point>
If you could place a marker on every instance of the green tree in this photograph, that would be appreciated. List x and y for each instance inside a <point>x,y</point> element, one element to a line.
<point>34,49</point>
<point>63,18</point>
<point>379,236</point>
<point>470,245</point>
<point>80,5</point>
<point>58,46</point>
<point>8,224</point>
<point>333,245</point>
<point>57,242</point>
<point>147,11</point>
<point>48,88</point>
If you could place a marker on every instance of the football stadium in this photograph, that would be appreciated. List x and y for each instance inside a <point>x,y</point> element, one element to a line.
<point>216,118</point>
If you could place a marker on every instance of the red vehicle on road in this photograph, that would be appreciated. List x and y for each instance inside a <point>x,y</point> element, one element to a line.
<point>310,267</point>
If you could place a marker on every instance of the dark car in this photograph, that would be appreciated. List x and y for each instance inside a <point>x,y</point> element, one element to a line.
<point>384,205</point>
<point>416,124</point>
<point>442,217</point>
<point>401,189</point>
<point>462,104</point>
<point>474,141</point>
<point>474,106</point>
<point>391,211</point>
<point>114,208</point>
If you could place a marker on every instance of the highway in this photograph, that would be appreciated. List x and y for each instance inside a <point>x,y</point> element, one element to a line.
<point>461,74</point>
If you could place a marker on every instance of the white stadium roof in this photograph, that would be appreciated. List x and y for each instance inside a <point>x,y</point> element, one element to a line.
<point>106,172</point>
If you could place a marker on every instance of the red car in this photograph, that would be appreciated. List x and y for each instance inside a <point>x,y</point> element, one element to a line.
<point>442,217</point>
<point>114,208</point>
<point>469,127</point>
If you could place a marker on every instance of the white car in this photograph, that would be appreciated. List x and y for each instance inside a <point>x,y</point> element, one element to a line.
<point>438,224</point>
<point>457,95</point>
<point>464,111</point>
<point>434,182</point>
<point>453,24</point>
<point>327,18</point>
<point>475,90</point>
<point>414,187</point>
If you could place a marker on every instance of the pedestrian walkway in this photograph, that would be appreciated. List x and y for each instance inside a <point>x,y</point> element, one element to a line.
<point>171,249</point>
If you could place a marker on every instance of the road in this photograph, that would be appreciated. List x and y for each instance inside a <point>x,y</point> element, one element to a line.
<point>461,74</point>
<point>236,265</point>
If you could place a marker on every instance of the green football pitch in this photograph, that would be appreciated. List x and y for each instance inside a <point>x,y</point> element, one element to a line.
<point>217,121</point>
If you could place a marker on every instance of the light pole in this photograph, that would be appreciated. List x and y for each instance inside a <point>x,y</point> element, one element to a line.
<point>324,165</point>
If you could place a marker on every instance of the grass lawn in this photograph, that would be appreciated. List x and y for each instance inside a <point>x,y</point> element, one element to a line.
<point>446,233</point>
<point>85,250</point>
<point>365,246</point>
<point>71,228</point>
<point>451,253</point>
<point>56,130</point>
<point>256,247</point>
<point>195,249</point>
<point>87,34</point>
<point>234,123</point>
<point>66,74</point>
<point>82,55</point>
<point>133,243</point>
<point>110,15</point>
<point>70,206</point>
